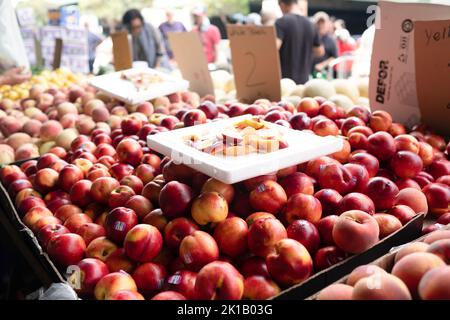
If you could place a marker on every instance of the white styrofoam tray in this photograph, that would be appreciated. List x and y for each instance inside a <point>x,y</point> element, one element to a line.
<point>123,90</point>
<point>302,148</point>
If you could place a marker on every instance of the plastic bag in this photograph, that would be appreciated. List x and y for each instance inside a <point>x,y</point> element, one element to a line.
<point>12,49</point>
<point>57,291</point>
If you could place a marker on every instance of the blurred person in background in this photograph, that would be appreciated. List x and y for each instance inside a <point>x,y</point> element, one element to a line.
<point>14,76</point>
<point>297,40</point>
<point>209,34</point>
<point>170,25</point>
<point>93,41</point>
<point>324,27</point>
<point>339,24</point>
<point>14,65</point>
<point>146,40</point>
<point>346,47</point>
<point>253,19</point>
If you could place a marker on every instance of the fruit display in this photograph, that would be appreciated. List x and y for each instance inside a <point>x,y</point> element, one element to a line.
<point>141,81</point>
<point>143,226</point>
<point>244,137</point>
<point>417,270</point>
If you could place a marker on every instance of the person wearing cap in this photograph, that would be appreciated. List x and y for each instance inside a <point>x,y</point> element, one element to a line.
<point>209,34</point>
<point>146,39</point>
<point>170,25</point>
<point>297,40</point>
<point>324,26</point>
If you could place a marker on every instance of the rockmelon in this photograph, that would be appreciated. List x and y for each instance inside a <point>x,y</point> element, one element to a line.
<point>347,88</point>
<point>319,87</point>
<point>342,101</point>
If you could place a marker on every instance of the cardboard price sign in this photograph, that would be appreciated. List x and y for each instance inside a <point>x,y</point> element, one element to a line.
<point>57,53</point>
<point>256,62</point>
<point>191,60</point>
<point>122,51</point>
<point>432,49</point>
<point>392,84</point>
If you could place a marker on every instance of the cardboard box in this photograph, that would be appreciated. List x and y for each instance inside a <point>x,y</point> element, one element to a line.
<point>411,231</point>
<point>385,262</point>
<point>25,241</point>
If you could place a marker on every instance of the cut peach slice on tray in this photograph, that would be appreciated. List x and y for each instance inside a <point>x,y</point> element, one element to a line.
<point>254,123</point>
<point>231,136</point>
<point>264,145</point>
<point>236,151</point>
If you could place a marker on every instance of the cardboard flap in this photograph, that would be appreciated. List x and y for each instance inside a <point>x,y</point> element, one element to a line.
<point>432,50</point>
<point>191,60</point>
<point>392,84</point>
<point>123,58</point>
<point>256,62</point>
<point>57,54</point>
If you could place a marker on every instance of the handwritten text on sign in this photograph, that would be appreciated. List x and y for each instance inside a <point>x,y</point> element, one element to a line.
<point>256,63</point>
<point>432,51</point>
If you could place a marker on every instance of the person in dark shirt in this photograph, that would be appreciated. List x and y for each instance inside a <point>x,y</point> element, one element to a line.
<point>297,40</point>
<point>324,27</point>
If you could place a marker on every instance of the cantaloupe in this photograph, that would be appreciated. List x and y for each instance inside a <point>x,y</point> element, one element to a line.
<point>363,87</point>
<point>287,86</point>
<point>342,101</point>
<point>295,100</point>
<point>319,87</point>
<point>362,101</point>
<point>298,91</point>
<point>347,88</point>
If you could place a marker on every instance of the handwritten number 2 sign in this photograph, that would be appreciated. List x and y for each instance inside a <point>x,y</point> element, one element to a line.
<point>256,62</point>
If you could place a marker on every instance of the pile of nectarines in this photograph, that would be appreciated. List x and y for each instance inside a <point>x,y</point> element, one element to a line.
<point>420,271</point>
<point>142,226</point>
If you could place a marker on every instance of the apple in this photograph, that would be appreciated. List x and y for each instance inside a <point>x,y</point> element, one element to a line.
<point>387,223</point>
<point>231,236</point>
<point>143,243</point>
<point>198,249</point>
<point>306,233</point>
<point>219,280</point>
<point>209,207</point>
<point>118,222</point>
<point>254,266</point>
<point>406,164</point>
<point>263,234</point>
<point>66,249</point>
<point>100,248</point>
<point>302,206</point>
<point>438,198</point>
<point>297,182</point>
<point>175,199</point>
<point>182,282</point>
<point>118,260</point>
<point>214,185</point>
<point>268,196</point>
<point>382,191</point>
<point>330,200</point>
<point>48,231</point>
<point>129,151</point>
<point>290,263</point>
<point>112,284</point>
<point>260,288</point>
<point>150,278</point>
<point>328,256</point>
<point>356,201</point>
<point>134,183</point>
<point>89,274</point>
<point>120,196</point>
<point>80,193</point>
<point>101,189</point>
<point>337,177</point>
<point>382,145</point>
<point>90,231</point>
<point>300,121</point>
